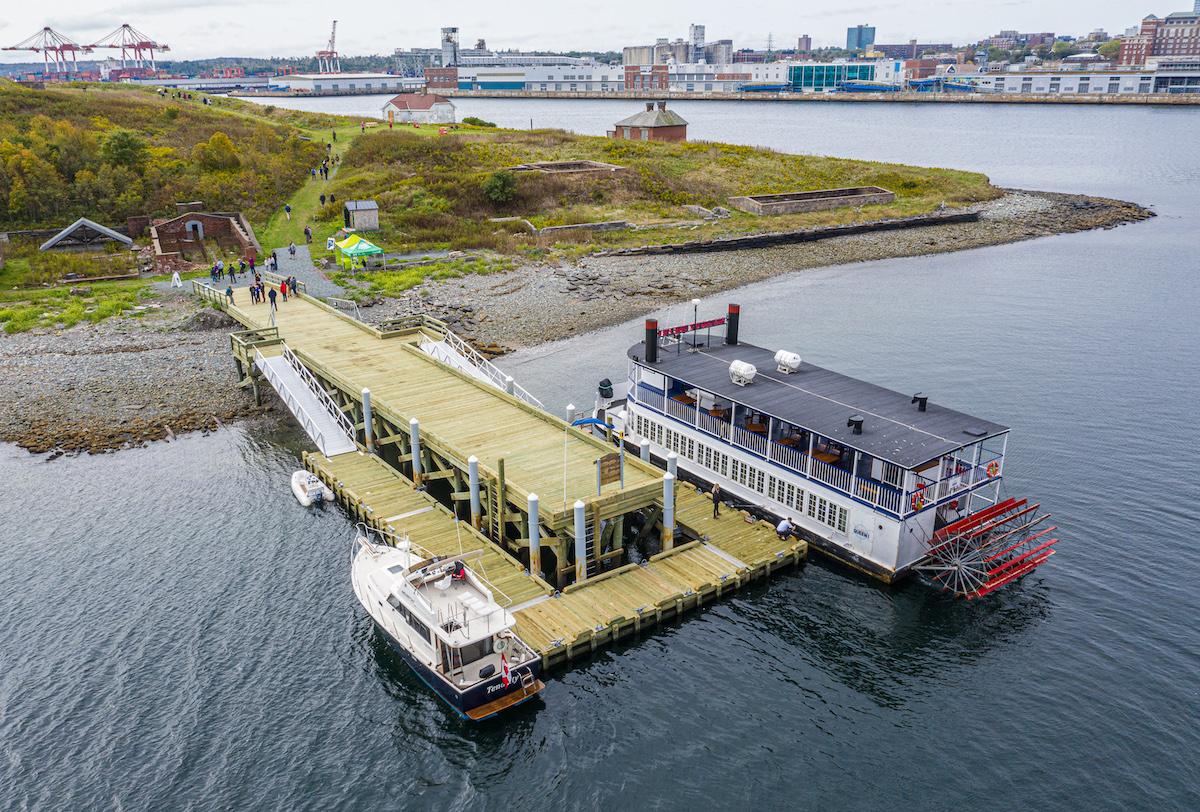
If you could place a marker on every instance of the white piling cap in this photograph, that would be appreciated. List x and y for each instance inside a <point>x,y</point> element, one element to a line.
<point>412,421</point>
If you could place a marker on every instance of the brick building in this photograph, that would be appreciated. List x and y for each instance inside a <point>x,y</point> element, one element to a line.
<point>1175,35</point>
<point>655,123</point>
<point>647,77</point>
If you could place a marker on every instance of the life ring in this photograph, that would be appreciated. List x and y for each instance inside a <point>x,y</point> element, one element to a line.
<point>954,504</point>
<point>918,500</point>
<point>993,468</point>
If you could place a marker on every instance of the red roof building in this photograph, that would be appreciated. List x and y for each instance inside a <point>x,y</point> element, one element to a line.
<point>421,108</point>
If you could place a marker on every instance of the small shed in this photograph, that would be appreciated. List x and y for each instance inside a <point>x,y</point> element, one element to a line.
<point>83,235</point>
<point>419,108</point>
<point>655,123</point>
<point>361,215</point>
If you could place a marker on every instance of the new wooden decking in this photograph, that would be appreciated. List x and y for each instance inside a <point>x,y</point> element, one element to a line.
<point>473,418</point>
<point>584,616</point>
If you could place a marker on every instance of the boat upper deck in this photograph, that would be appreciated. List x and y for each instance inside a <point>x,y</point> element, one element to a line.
<point>822,401</point>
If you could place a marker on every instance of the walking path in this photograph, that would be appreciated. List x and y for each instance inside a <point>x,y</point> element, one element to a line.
<point>301,267</point>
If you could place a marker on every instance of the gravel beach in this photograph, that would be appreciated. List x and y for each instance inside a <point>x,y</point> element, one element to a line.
<point>126,381</point>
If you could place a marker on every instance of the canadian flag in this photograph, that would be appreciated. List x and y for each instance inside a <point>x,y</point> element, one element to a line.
<point>504,674</point>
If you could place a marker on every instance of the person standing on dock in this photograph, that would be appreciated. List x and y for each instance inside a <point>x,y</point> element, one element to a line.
<point>229,294</point>
<point>283,289</point>
<point>716,495</point>
<point>271,296</point>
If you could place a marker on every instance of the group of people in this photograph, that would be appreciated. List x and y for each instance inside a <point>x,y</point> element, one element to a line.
<point>261,294</point>
<point>220,269</point>
<point>332,199</point>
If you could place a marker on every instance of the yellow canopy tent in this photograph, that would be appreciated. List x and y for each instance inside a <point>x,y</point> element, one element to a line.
<point>355,247</point>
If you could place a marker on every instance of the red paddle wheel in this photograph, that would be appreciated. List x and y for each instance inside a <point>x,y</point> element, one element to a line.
<point>982,552</point>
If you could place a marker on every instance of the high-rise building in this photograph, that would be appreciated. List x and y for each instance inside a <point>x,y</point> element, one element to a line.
<point>804,43</point>
<point>1176,34</point>
<point>719,52</point>
<point>696,43</point>
<point>860,37</point>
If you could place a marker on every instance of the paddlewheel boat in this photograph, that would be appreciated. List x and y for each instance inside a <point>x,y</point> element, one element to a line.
<point>444,622</point>
<point>889,483</point>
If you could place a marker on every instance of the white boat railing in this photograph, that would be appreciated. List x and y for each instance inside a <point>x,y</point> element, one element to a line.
<point>681,411</point>
<point>289,398</point>
<point>830,475</point>
<point>749,440</point>
<point>789,457</point>
<point>714,425</point>
<point>648,397</point>
<point>331,406</point>
<point>880,494</point>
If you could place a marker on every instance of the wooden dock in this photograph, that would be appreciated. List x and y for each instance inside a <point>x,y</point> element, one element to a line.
<point>432,424</point>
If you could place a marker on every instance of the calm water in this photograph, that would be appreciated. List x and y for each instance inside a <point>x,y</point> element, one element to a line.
<point>181,635</point>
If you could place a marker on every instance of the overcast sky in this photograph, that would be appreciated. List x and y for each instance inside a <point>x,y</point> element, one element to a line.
<point>298,27</point>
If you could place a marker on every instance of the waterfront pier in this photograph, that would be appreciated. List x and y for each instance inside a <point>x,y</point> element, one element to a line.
<point>419,436</point>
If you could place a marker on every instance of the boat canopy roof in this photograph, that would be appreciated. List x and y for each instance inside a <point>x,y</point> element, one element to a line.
<point>822,401</point>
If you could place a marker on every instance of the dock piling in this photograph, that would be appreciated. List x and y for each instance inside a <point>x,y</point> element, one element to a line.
<point>645,450</point>
<point>535,553</point>
<point>580,542</point>
<point>473,484</point>
<point>668,514</point>
<point>368,430</point>
<point>672,463</point>
<point>414,436</point>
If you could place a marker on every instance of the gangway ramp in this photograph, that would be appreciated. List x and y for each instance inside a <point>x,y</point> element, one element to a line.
<point>319,416</point>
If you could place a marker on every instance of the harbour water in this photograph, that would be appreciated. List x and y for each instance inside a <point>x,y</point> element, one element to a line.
<point>176,632</point>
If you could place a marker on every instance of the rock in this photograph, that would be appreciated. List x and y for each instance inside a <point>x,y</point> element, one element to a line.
<point>208,319</point>
<point>83,290</point>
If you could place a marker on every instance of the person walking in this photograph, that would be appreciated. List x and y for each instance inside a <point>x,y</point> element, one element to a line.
<point>334,134</point>
<point>241,265</point>
<point>322,198</point>
<point>308,235</point>
<point>716,496</point>
<point>287,209</point>
<point>271,296</point>
<point>332,199</point>
<point>229,294</point>
<point>252,263</point>
<point>283,289</point>
<point>232,272</point>
<point>292,249</point>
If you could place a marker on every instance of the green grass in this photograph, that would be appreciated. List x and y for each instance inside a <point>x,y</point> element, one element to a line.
<point>431,190</point>
<point>394,282</point>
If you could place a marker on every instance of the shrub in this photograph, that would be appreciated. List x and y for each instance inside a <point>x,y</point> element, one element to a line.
<point>500,187</point>
<point>475,121</point>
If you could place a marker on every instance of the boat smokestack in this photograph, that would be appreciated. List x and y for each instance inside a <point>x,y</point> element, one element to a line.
<point>731,324</point>
<point>651,341</point>
<point>922,401</point>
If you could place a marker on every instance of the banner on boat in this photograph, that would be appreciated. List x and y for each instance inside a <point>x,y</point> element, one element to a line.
<point>666,332</point>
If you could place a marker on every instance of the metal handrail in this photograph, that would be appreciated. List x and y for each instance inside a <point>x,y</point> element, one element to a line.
<point>493,373</point>
<point>306,420</point>
<point>311,382</point>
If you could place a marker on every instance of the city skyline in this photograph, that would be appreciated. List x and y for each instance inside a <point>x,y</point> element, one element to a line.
<point>233,28</point>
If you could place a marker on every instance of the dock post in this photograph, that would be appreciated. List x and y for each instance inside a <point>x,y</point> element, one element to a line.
<point>368,429</point>
<point>672,463</point>
<point>414,439</point>
<point>509,384</point>
<point>570,413</point>
<point>580,542</point>
<point>473,484</point>
<point>646,450</point>
<point>535,552</point>
<point>668,514</point>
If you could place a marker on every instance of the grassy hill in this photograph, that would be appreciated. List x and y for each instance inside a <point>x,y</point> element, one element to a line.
<point>108,152</point>
<point>433,190</point>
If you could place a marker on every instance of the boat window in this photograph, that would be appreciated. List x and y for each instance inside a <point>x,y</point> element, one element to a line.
<point>396,569</point>
<point>476,651</point>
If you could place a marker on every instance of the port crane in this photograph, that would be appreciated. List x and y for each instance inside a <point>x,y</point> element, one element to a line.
<point>137,49</point>
<point>327,60</point>
<point>58,50</point>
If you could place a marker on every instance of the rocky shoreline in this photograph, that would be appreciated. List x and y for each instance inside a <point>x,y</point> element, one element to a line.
<point>127,382</point>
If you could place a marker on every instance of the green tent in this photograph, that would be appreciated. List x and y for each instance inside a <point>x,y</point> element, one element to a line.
<point>355,247</point>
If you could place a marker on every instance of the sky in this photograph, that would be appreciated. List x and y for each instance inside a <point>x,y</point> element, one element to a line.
<point>265,28</point>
